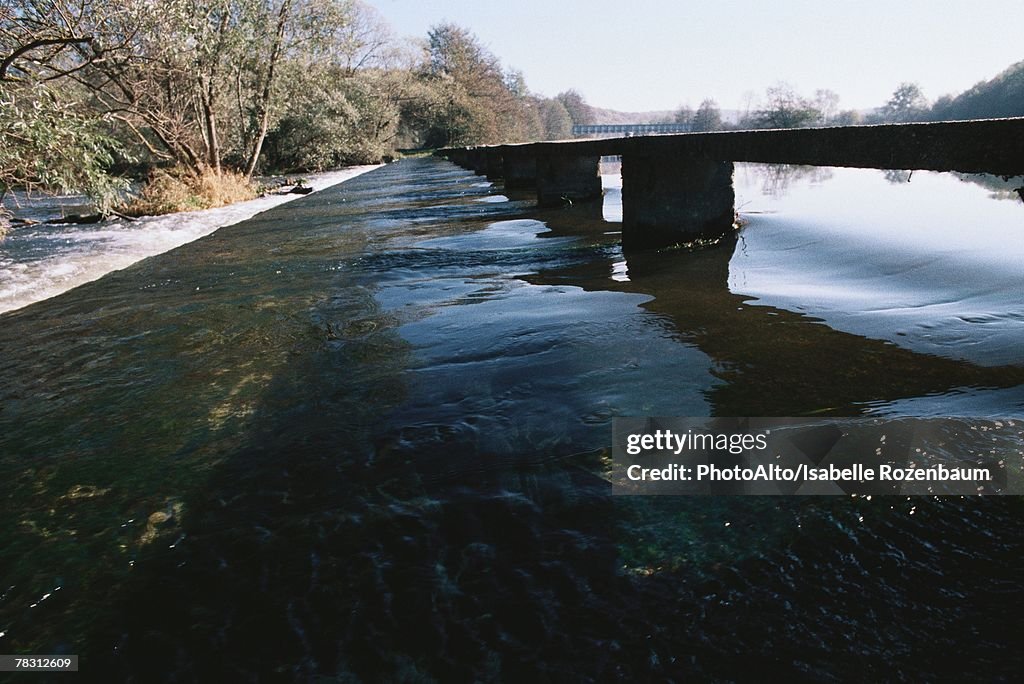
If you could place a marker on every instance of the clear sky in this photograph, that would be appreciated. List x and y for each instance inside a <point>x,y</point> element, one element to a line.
<point>640,55</point>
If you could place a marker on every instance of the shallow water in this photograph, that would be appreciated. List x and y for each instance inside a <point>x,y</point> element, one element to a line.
<point>365,436</point>
<point>42,260</point>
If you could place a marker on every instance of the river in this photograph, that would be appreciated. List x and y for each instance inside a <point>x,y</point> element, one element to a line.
<point>41,260</point>
<point>365,436</point>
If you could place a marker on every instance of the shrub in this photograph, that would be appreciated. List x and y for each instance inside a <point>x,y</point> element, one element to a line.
<point>171,190</point>
<point>331,121</point>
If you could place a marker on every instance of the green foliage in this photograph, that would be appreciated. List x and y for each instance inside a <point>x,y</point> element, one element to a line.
<point>455,52</point>
<point>333,120</point>
<point>516,83</point>
<point>460,78</point>
<point>50,145</point>
<point>459,117</point>
<point>212,85</point>
<point>556,120</point>
<point>466,98</point>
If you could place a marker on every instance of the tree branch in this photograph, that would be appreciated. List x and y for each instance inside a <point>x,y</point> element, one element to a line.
<point>41,42</point>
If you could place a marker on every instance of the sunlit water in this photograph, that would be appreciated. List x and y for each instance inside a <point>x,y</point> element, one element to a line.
<point>926,264</point>
<point>364,436</point>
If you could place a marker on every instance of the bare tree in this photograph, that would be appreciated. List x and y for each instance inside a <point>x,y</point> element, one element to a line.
<point>785,108</point>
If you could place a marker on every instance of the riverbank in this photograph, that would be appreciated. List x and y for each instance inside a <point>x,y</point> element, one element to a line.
<point>40,261</point>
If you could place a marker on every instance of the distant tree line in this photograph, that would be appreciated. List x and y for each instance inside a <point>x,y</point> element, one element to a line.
<point>1002,96</point>
<point>708,117</point>
<point>783,107</point>
<point>999,97</point>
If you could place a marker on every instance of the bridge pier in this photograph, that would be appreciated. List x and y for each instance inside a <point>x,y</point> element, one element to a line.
<point>493,164</point>
<point>476,159</point>
<point>565,176</point>
<point>671,200</point>
<point>520,169</point>
<point>458,156</point>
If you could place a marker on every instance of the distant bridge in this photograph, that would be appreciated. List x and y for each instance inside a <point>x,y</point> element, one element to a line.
<point>677,189</point>
<point>581,130</point>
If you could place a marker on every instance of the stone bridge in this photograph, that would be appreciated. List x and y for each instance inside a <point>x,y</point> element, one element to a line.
<point>678,188</point>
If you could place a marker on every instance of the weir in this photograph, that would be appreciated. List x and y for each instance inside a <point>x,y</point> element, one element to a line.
<point>678,188</point>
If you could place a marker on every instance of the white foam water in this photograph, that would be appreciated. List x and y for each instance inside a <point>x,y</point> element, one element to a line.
<point>42,260</point>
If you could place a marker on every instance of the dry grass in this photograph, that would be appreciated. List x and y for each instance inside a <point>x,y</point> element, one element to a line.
<point>173,190</point>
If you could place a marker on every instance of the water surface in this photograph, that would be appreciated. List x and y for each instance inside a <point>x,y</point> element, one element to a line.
<point>365,435</point>
<point>40,260</point>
